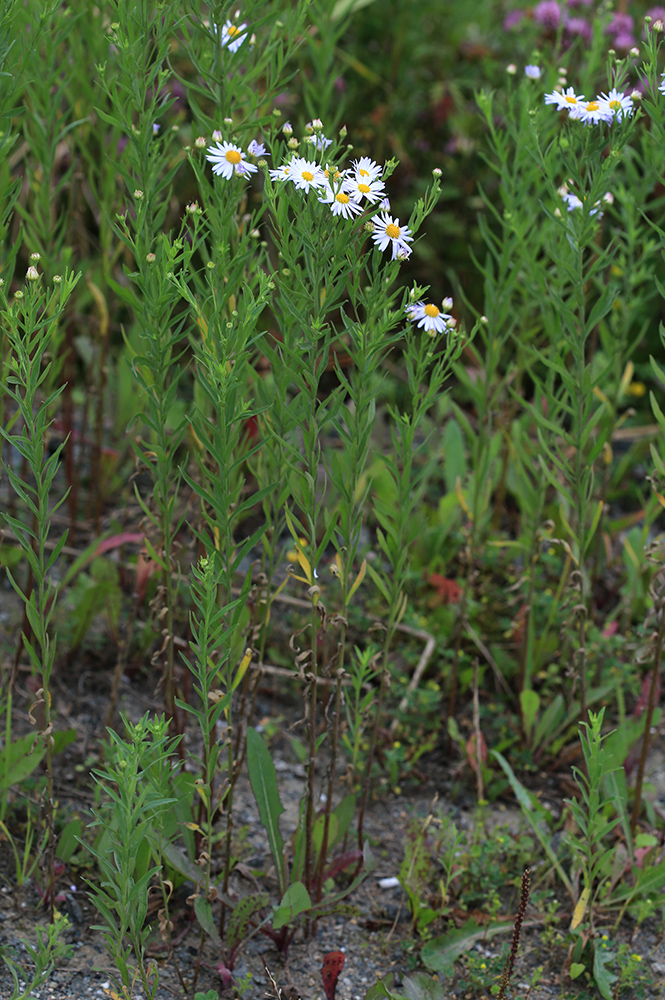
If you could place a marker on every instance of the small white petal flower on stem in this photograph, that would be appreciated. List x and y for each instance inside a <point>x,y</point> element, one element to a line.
<point>617,103</point>
<point>227,159</point>
<point>366,169</point>
<point>532,72</point>
<point>282,173</point>
<point>371,191</point>
<point>388,232</point>
<point>593,112</point>
<point>565,101</point>
<point>306,174</point>
<point>233,35</point>
<point>340,202</point>
<point>429,316</point>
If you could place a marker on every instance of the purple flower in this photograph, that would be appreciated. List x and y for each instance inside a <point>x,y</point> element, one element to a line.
<point>578,3</point>
<point>621,24</point>
<point>512,19</point>
<point>548,14</point>
<point>257,149</point>
<point>579,26</point>
<point>622,43</point>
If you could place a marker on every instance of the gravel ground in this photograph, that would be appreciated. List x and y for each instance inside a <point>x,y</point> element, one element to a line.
<point>376,941</point>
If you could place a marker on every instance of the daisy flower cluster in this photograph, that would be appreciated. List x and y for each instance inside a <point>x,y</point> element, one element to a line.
<point>432,319</point>
<point>347,192</point>
<point>604,108</point>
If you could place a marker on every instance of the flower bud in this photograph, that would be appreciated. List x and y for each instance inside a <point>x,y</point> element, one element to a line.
<point>32,274</point>
<point>35,257</point>
<point>216,136</point>
<point>138,194</point>
<point>150,257</point>
<point>200,142</point>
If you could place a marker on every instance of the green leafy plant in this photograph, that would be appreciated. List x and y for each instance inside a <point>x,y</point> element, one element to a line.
<point>44,956</point>
<point>133,781</point>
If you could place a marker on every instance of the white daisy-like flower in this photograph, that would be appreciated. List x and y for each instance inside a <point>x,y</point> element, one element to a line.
<point>359,188</point>
<point>565,101</point>
<point>306,174</point>
<point>233,35</point>
<point>227,159</point>
<point>367,169</point>
<point>618,103</point>
<point>387,231</point>
<point>592,112</point>
<point>340,202</point>
<point>282,173</point>
<point>429,317</point>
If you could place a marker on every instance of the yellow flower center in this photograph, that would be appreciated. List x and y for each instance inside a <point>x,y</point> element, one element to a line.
<point>364,188</point>
<point>364,173</point>
<point>233,156</point>
<point>431,311</point>
<point>570,99</point>
<point>307,176</point>
<point>393,231</point>
<point>233,30</point>
<point>342,198</point>
<point>615,105</point>
<point>592,106</point>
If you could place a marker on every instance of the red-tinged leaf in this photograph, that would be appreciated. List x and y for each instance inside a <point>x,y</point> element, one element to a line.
<point>145,569</point>
<point>643,699</point>
<point>447,591</point>
<point>333,963</point>
<point>252,428</point>
<point>225,975</point>
<point>342,862</point>
<point>115,541</point>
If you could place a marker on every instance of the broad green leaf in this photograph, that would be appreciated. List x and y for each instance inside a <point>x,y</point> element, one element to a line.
<point>440,953</point>
<point>263,779</point>
<point>296,901</point>
<point>529,703</point>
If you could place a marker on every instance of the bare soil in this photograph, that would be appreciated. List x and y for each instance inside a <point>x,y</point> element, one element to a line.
<point>377,940</point>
